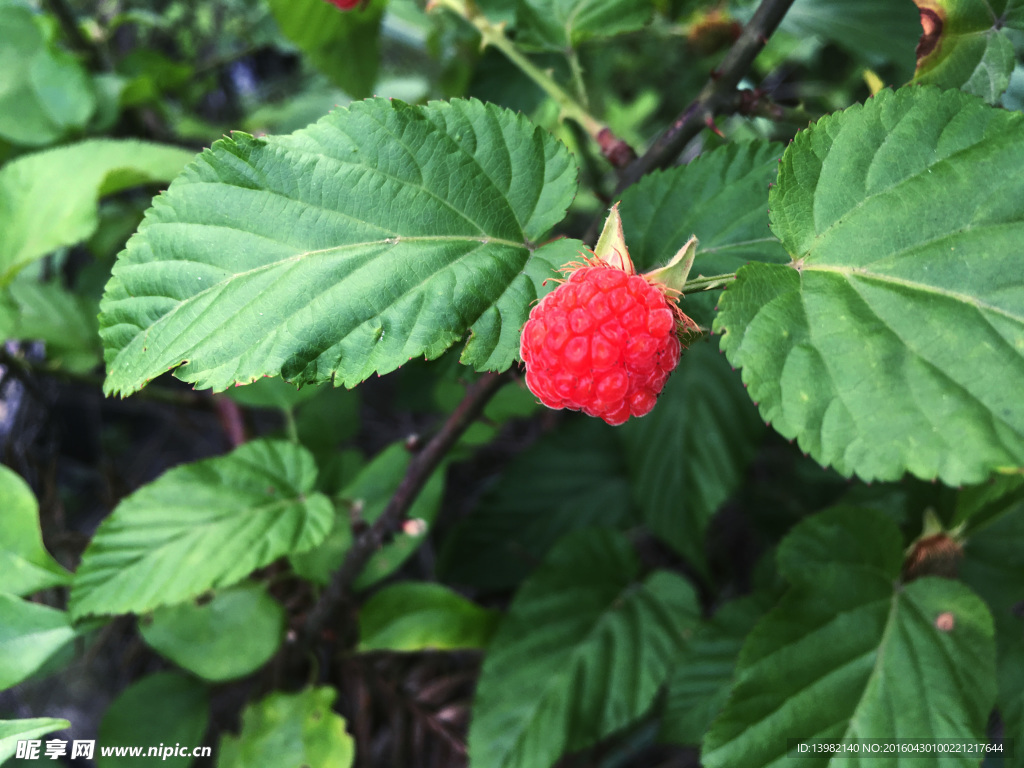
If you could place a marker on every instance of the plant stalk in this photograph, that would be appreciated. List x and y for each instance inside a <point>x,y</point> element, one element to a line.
<point>390,521</point>
<point>719,94</point>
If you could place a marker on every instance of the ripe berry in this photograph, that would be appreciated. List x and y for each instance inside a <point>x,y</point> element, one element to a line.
<point>345,5</point>
<point>604,342</point>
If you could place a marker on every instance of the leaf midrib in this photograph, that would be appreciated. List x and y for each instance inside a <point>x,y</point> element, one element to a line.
<point>860,272</point>
<point>333,249</point>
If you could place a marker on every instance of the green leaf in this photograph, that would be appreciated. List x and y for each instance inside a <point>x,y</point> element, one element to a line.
<point>30,634</point>
<point>166,708</point>
<point>65,322</point>
<point>702,675</point>
<point>688,461</point>
<point>344,45</point>
<point>365,499</point>
<point>227,636</point>
<point>722,198</point>
<point>290,731</point>
<point>25,565</point>
<point>965,45</point>
<point>13,731</point>
<point>48,199</point>
<point>200,526</point>
<point>582,653</point>
<point>572,478</point>
<point>993,565</point>
<point>556,25</point>
<point>417,616</point>
<point>45,94</point>
<point>850,653</point>
<point>427,210</point>
<point>893,342</point>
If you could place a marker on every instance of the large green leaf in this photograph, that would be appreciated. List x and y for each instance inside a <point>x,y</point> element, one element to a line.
<point>290,731</point>
<point>582,652</point>
<point>13,731</point>
<point>688,461</point>
<point>200,526</point>
<point>48,199</point>
<point>965,45</point>
<point>556,25</point>
<point>416,616</point>
<point>850,653</point>
<point>364,499</point>
<point>572,478</point>
<point>25,565</point>
<point>722,198</point>
<point>893,341</point>
<point>30,634</point>
<point>44,93</point>
<point>383,232</point>
<point>166,708</point>
<point>344,45</point>
<point>227,636</point>
<point>47,312</point>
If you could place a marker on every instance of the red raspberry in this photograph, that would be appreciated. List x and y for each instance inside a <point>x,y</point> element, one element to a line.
<point>345,5</point>
<point>604,342</point>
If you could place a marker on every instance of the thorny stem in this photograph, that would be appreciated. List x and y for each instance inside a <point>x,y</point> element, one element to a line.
<point>615,149</point>
<point>390,521</point>
<point>718,95</point>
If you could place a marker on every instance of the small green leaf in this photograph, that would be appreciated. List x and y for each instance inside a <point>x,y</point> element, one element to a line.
<point>345,46</point>
<point>365,499</point>
<point>25,565</point>
<point>572,478</point>
<point>850,653</point>
<point>428,210</point>
<point>63,321</point>
<point>30,634</point>
<point>688,461</point>
<point>200,526</point>
<point>702,675</point>
<point>894,341</point>
<point>965,45</point>
<point>13,731</point>
<point>582,652</point>
<point>48,199</point>
<point>290,731</point>
<point>45,93</point>
<point>555,25</point>
<point>230,635</point>
<point>417,616</point>
<point>722,199</point>
<point>166,708</point>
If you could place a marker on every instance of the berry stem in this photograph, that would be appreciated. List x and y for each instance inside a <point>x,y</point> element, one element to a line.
<point>698,284</point>
<point>615,149</point>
